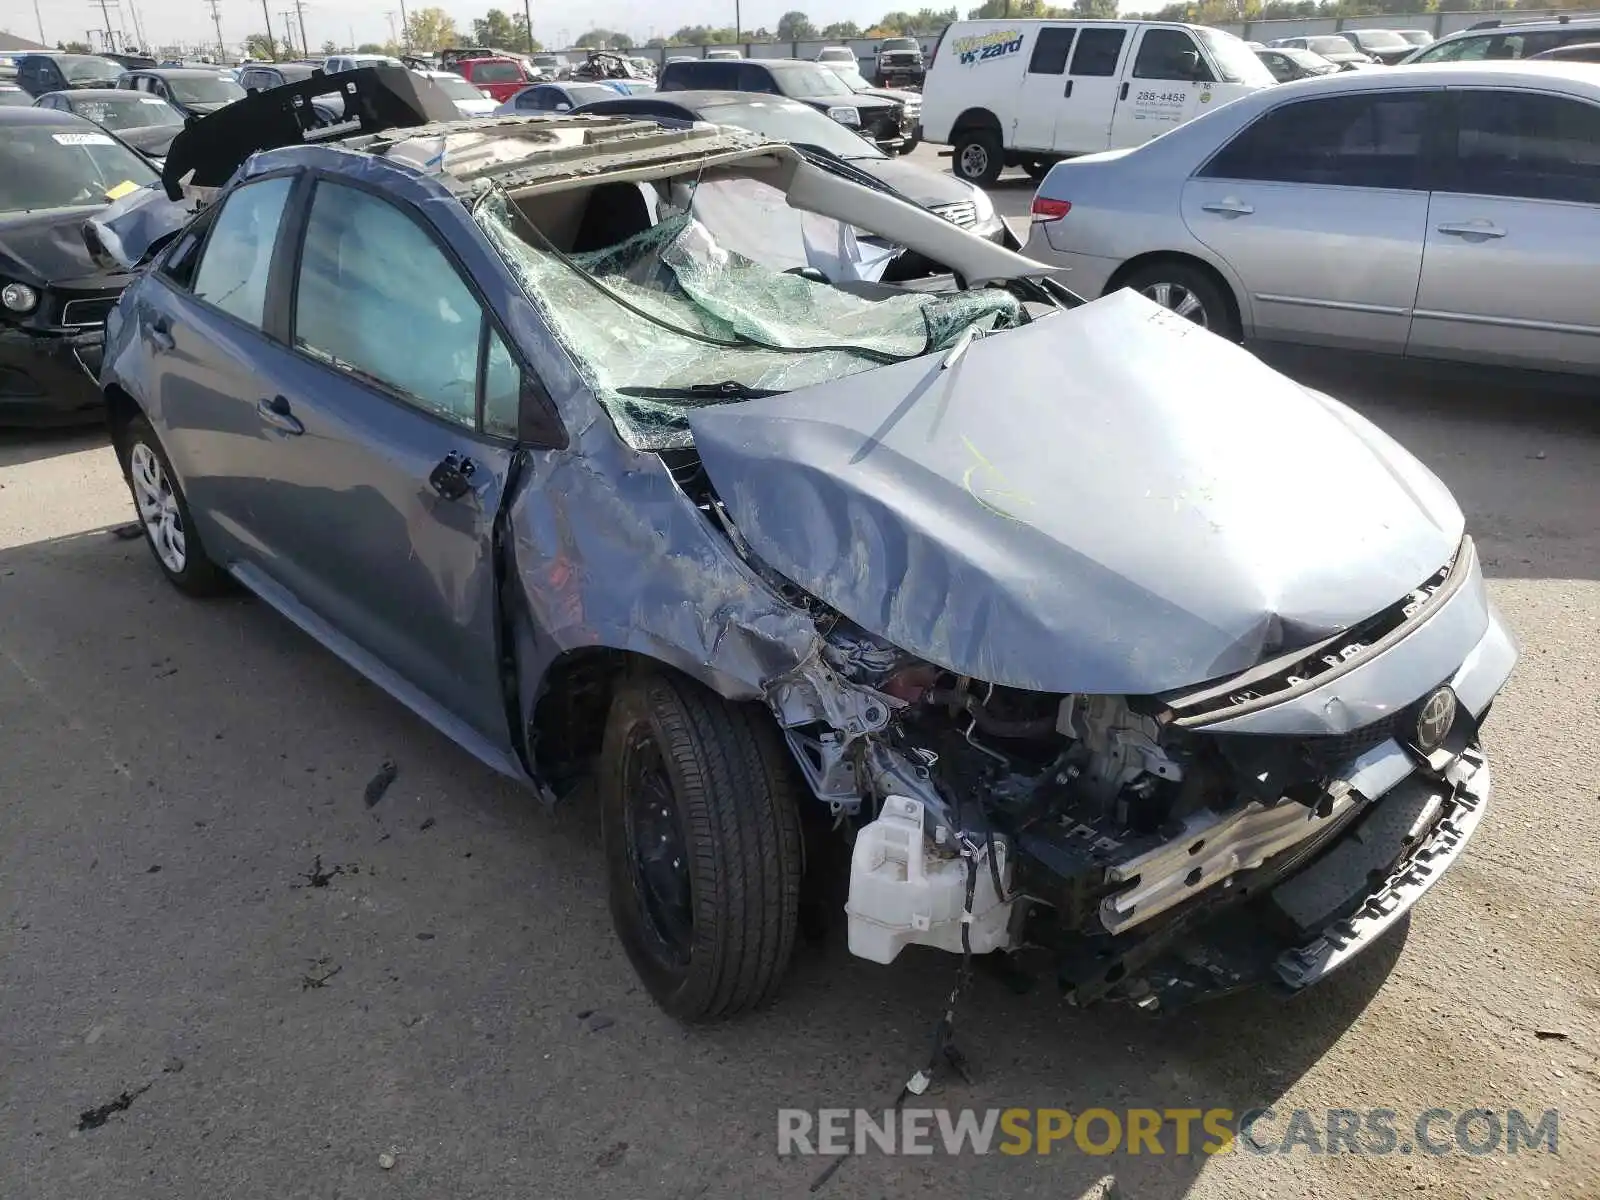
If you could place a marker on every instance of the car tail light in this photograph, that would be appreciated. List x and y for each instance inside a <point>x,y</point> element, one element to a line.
<point>1046,209</point>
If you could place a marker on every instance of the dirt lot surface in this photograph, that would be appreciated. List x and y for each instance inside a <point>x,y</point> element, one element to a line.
<point>223,974</point>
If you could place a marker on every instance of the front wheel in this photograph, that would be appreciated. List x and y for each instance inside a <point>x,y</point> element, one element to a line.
<point>978,157</point>
<point>164,513</point>
<point>1190,292</point>
<point>910,144</point>
<point>699,810</point>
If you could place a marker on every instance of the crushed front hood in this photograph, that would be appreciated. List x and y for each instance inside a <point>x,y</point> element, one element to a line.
<point>1110,500</point>
<point>46,246</point>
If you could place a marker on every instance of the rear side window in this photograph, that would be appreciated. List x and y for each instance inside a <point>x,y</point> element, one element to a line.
<point>1527,145</point>
<point>233,268</point>
<point>757,79</point>
<point>1051,50</point>
<point>1372,140</point>
<point>1098,52</point>
<point>1169,54</point>
<point>708,74</point>
<point>378,299</point>
<point>1498,46</point>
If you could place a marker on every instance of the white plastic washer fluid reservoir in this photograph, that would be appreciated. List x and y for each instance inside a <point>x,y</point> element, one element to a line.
<point>903,894</point>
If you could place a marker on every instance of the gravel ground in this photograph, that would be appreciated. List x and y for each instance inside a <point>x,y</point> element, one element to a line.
<point>297,994</point>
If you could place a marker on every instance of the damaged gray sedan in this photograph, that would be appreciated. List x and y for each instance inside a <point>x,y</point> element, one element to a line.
<point>611,451</point>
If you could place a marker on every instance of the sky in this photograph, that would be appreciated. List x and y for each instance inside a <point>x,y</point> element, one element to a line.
<point>169,21</point>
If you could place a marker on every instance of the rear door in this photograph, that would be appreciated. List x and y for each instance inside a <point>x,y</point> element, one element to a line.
<point>385,448</point>
<point>1084,124</point>
<point>1512,257</point>
<point>1042,97</point>
<point>1320,208</point>
<point>1161,85</point>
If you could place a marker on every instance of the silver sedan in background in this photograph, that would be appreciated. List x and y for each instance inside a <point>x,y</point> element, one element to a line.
<point>1448,211</point>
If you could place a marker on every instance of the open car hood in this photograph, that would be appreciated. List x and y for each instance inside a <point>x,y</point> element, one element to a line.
<point>373,98</point>
<point>1108,500</point>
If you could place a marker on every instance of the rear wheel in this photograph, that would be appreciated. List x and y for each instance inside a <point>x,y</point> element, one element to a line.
<point>699,811</point>
<point>164,513</point>
<point>1189,291</point>
<point>979,157</point>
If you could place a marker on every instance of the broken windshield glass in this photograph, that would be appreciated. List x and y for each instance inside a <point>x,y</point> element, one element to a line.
<point>671,319</point>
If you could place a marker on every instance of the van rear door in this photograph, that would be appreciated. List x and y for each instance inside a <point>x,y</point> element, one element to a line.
<point>1165,82</point>
<point>1089,97</point>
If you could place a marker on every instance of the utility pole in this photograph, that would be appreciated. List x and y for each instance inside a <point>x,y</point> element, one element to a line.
<point>272,44</point>
<point>288,29</point>
<point>738,23</point>
<point>300,11</point>
<point>392,37</point>
<point>527,16</point>
<point>405,28</point>
<point>138,25</point>
<point>39,19</point>
<point>216,20</point>
<point>105,15</point>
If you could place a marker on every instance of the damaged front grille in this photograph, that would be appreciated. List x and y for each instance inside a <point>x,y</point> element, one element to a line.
<point>962,212</point>
<point>1288,675</point>
<point>1332,752</point>
<point>82,313</point>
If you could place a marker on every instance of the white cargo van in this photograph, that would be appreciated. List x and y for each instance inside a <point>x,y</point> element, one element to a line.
<point>1027,93</point>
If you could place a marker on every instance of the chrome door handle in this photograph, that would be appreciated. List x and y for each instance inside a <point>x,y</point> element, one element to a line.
<point>277,413</point>
<point>1473,229</point>
<point>161,334</point>
<point>1230,208</point>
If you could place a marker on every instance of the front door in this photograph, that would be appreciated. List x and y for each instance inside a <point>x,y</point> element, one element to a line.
<point>1043,95</point>
<point>1084,124</point>
<point>1319,207</point>
<point>1161,87</point>
<point>386,450</point>
<point>1508,270</point>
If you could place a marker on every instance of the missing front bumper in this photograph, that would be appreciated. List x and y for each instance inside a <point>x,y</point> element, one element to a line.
<point>1462,798</point>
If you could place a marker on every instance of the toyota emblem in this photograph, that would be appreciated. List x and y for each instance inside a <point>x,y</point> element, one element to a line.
<point>1434,719</point>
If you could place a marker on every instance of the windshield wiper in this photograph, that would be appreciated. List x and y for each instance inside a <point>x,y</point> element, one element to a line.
<point>726,390</point>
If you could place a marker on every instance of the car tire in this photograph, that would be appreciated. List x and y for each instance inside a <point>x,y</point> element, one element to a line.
<point>163,513</point>
<point>1189,291</point>
<point>699,812</point>
<point>910,144</point>
<point>978,157</point>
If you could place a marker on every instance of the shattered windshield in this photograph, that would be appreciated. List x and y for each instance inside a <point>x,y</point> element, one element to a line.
<point>671,318</point>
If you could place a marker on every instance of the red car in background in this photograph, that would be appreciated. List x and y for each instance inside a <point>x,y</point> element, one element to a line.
<point>502,78</point>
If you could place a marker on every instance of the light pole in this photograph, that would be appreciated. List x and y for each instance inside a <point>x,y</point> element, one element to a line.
<point>527,16</point>
<point>272,45</point>
<point>39,19</point>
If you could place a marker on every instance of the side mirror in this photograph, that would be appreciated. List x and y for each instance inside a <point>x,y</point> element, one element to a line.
<point>1189,63</point>
<point>563,107</point>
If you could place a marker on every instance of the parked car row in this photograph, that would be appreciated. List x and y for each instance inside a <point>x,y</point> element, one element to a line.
<point>1437,211</point>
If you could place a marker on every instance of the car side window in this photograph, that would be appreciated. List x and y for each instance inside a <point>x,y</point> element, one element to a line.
<point>502,387</point>
<point>1527,145</point>
<point>233,269</point>
<point>1098,52</point>
<point>376,297</point>
<point>1370,140</point>
<point>754,78</point>
<point>1169,54</point>
<point>1051,50</point>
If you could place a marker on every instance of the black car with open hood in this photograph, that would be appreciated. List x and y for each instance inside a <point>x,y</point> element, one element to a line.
<point>56,170</point>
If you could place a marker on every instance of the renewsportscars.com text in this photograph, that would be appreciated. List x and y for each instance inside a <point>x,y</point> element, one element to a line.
<point>1175,1131</point>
